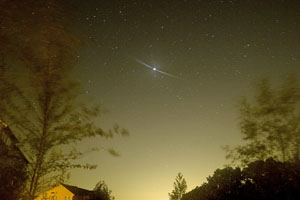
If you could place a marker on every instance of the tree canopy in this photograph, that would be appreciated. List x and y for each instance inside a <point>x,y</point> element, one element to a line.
<point>102,192</point>
<point>270,124</point>
<point>42,106</point>
<point>268,179</point>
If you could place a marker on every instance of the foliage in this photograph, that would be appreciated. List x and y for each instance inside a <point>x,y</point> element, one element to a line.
<point>13,173</point>
<point>268,179</point>
<point>42,107</point>
<point>102,192</point>
<point>270,125</point>
<point>180,188</point>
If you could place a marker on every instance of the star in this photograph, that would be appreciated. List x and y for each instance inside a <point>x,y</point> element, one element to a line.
<point>155,69</point>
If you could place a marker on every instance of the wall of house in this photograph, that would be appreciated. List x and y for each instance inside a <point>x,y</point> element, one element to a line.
<point>57,193</point>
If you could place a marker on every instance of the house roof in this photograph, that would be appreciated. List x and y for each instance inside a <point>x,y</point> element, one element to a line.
<point>78,191</point>
<point>6,129</point>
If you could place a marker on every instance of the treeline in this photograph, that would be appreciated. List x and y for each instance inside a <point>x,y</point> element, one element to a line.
<point>266,180</point>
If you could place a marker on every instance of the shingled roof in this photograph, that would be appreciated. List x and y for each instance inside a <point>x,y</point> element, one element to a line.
<point>78,191</point>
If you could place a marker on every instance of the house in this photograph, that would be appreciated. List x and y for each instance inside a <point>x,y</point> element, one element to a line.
<point>10,143</point>
<point>66,192</point>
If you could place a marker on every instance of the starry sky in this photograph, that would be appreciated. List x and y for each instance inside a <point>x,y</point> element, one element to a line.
<point>215,51</point>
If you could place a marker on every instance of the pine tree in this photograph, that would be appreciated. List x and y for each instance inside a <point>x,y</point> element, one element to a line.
<point>180,188</point>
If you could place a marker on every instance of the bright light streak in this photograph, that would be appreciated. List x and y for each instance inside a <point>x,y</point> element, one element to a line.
<point>155,69</point>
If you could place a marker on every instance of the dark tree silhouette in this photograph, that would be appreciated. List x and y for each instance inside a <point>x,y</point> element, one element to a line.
<point>268,179</point>
<point>13,174</point>
<point>102,192</point>
<point>180,188</point>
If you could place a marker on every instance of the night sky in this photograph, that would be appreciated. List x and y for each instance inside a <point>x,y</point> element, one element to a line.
<point>213,51</point>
